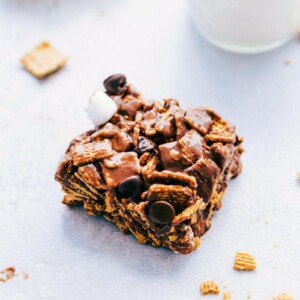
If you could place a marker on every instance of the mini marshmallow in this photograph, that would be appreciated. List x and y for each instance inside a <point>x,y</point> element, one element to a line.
<point>101,108</point>
<point>132,89</point>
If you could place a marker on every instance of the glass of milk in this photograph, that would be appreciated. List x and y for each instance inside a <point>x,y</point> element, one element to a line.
<point>247,26</point>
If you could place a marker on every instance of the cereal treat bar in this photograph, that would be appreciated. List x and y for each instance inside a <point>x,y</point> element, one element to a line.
<point>153,169</point>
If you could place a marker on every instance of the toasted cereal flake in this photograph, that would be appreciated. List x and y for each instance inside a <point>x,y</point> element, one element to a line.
<point>90,152</point>
<point>226,296</point>
<point>209,287</point>
<point>174,178</point>
<point>43,60</point>
<point>177,195</point>
<point>283,297</point>
<point>244,262</point>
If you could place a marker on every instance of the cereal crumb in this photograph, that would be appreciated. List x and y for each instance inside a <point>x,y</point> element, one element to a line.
<point>283,297</point>
<point>209,287</point>
<point>43,60</point>
<point>244,262</point>
<point>25,275</point>
<point>226,296</point>
<point>287,61</point>
<point>7,274</point>
<point>298,176</point>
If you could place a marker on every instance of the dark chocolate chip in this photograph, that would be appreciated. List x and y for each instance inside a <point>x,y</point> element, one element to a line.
<point>131,187</point>
<point>161,212</point>
<point>115,84</point>
<point>144,145</point>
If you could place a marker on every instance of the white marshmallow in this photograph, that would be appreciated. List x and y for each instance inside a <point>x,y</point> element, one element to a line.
<point>132,89</point>
<point>100,108</point>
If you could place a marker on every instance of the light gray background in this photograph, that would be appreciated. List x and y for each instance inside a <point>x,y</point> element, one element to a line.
<point>69,255</point>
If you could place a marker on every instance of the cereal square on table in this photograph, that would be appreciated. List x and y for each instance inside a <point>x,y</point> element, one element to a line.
<point>244,262</point>
<point>209,287</point>
<point>43,60</point>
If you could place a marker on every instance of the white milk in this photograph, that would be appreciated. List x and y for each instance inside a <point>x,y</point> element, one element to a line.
<point>246,25</point>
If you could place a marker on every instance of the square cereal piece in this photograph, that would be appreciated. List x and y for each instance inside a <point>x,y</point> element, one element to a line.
<point>119,167</point>
<point>90,175</point>
<point>244,262</point>
<point>43,60</point>
<point>90,152</point>
<point>209,287</point>
<point>179,196</point>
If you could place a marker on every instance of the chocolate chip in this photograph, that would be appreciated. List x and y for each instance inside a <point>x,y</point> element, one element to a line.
<point>161,212</point>
<point>115,84</point>
<point>144,145</point>
<point>131,187</point>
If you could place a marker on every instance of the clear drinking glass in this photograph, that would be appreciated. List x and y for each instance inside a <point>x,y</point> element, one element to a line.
<point>247,26</point>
